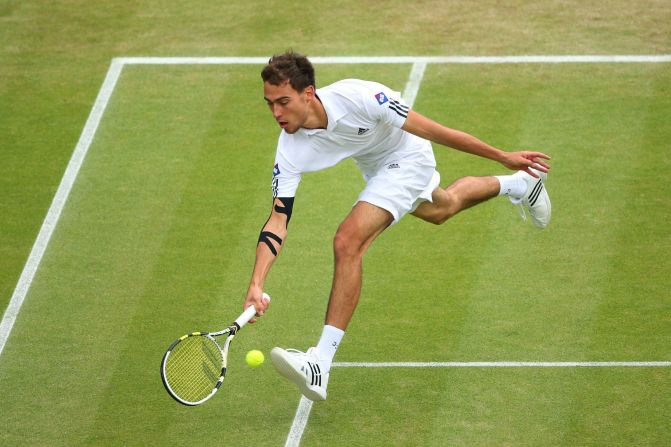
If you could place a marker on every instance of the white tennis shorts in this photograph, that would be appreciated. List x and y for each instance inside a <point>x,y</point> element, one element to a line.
<point>401,185</point>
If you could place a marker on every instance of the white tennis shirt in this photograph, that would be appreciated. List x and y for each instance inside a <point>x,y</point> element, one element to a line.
<point>364,123</point>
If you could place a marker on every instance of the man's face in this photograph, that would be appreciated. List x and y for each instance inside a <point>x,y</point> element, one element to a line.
<point>290,108</point>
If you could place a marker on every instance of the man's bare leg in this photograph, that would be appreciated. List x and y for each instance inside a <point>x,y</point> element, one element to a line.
<point>310,371</point>
<point>460,195</point>
<point>359,229</point>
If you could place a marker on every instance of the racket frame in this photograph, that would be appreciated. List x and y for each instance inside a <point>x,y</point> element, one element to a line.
<point>232,330</point>
<point>222,372</point>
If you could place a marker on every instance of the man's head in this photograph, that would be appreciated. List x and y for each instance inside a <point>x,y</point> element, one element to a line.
<point>289,67</point>
<point>289,88</point>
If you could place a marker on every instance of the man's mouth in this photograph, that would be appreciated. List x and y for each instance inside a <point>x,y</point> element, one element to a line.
<point>283,124</point>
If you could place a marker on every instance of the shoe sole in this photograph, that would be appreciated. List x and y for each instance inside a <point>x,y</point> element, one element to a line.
<point>541,196</point>
<point>540,193</point>
<point>546,198</point>
<point>285,368</point>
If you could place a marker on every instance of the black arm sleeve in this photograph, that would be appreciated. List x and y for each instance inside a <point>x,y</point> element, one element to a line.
<point>266,236</point>
<point>286,208</point>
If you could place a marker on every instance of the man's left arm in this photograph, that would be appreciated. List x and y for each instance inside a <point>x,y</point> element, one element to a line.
<point>428,129</point>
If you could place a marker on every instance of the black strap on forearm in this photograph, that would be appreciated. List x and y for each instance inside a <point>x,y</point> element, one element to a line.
<point>286,208</point>
<point>266,236</point>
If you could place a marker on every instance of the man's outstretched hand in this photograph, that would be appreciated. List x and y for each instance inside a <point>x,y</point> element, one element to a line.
<point>525,161</point>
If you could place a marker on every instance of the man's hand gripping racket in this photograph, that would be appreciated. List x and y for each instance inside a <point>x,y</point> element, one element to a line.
<point>194,366</point>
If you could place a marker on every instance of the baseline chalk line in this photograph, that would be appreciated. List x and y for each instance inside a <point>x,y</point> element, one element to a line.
<point>502,364</point>
<point>522,59</point>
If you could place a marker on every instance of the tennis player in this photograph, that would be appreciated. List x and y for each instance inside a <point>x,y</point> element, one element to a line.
<point>391,145</point>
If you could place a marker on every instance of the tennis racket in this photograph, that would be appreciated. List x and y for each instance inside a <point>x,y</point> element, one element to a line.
<point>194,366</point>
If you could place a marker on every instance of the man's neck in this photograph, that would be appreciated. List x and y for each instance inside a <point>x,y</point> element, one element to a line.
<point>317,118</point>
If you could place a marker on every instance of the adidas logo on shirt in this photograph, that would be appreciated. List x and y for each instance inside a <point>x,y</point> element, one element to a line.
<point>362,130</point>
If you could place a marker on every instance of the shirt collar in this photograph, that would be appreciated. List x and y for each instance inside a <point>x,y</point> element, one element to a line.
<point>334,111</point>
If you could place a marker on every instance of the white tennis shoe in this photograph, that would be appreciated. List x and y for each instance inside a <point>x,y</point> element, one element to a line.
<point>535,200</point>
<point>305,369</point>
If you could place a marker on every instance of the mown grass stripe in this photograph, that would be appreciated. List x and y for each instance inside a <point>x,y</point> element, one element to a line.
<point>58,203</point>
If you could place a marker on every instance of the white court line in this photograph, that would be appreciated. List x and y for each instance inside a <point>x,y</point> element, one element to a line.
<point>58,203</point>
<point>542,59</point>
<point>299,423</point>
<point>501,364</point>
<point>412,87</point>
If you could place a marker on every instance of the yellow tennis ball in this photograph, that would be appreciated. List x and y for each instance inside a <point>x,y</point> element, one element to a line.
<point>254,358</point>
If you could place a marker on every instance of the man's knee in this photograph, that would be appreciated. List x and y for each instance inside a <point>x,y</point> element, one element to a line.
<point>359,229</point>
<point>438,218</point>
<point>346,244</point>
<point>444,206</point>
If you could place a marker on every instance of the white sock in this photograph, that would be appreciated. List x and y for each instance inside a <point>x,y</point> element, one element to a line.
<point>512,185</point>
<point>328,344</point>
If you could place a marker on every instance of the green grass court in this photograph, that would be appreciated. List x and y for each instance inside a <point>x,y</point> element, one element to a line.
<point>158,233</point>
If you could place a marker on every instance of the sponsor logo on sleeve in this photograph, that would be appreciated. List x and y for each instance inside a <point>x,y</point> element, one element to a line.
<point>381,98</point>
<point>275,187</point>
<point>276,183</point>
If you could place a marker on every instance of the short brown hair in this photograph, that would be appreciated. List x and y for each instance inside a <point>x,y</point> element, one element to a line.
<point>292,67</point>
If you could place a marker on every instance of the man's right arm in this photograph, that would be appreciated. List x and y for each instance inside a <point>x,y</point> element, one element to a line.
<point>270,242</point>
<point>428,129</point>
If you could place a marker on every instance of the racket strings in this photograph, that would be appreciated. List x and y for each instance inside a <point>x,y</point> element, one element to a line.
<point>193,368</point>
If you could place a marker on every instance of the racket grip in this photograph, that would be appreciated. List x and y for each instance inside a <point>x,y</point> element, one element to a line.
<point>249,313</point>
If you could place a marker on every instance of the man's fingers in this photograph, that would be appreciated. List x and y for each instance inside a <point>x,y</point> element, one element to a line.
<point>261,308</point>
<point>528,160</point>
<point>534,155</point>
<point>260,305</point>
<point>536,161</point>
<point>540,166</point>
<point>530,172</point>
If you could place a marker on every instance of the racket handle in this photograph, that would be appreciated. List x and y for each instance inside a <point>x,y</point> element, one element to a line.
<point>249,313</point>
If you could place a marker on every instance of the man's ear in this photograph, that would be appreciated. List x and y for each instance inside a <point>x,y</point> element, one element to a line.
<point>309,92</point>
